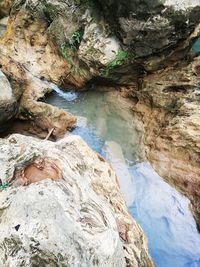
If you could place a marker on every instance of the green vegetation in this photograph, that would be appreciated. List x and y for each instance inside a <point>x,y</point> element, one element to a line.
<point>68,48</point>
<point>67,52</point>
<point>4,186</point>
<point>75,39</point>
<point>121,57</point>
<point>64,50</point>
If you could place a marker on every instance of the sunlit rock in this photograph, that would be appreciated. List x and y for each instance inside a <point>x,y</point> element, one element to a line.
<point>169,104</point>
<point>75,216</point>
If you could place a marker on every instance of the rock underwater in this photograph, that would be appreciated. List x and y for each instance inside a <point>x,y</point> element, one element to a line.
<point>73,214</point>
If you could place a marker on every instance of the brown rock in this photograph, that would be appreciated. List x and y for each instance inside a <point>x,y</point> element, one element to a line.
<point>169,102</point>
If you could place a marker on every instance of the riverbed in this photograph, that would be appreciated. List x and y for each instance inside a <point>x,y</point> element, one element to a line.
<point>109,126</point>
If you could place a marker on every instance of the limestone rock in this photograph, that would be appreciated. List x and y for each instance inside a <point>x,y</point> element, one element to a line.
<point>169,103</point>
<point>150,27</point>
<point>77,218</point>
<point>96,47</point>
<point>8,104</point>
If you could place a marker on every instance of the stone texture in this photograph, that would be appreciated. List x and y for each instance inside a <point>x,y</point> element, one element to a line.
<point>69,43</point>
<point>78,218</point>
<point>5,6</point>
<point>148,27</point>
<point>8,103</point>
<point>96,47</point>
<point>169,103</point>
<point>39,48</point>
<point>43,116</point>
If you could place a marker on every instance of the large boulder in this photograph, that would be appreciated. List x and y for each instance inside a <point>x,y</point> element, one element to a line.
<point>151,26</point>
<point>8,103</point>
<point>61,206</point>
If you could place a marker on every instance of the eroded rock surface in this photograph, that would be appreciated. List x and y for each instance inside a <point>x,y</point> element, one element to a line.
<point>70,43</point>
<point>169,103</point>
<point>80,218</point>
<point>149,27</point>
<point>8,102</point>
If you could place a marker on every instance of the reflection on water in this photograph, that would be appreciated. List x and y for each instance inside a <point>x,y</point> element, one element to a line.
<point>164,216</point>
<point>106,123</point>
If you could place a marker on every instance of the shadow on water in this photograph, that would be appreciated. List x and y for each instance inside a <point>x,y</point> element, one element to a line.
<point>106,123</point>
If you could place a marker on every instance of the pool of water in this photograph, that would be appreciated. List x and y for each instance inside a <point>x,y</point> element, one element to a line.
<point>107,124</point>
<point>196,46</point>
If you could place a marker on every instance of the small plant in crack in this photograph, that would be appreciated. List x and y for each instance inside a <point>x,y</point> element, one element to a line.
<point>121,57</point>
<point>64,50</point>
<point>75,39</point>
<point>4,186</point>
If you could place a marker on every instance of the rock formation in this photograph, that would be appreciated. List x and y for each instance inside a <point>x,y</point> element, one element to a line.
<point>169,105</point>
<point>143,47</point>
<point>8,102</point>
<point>74,42</point>
<point>75,216</point>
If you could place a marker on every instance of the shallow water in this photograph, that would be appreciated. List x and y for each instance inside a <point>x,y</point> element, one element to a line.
<point>105,122</point>
<point>196,46</point>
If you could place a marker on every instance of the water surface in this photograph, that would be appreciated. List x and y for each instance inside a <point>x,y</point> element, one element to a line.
<point>107,124</point>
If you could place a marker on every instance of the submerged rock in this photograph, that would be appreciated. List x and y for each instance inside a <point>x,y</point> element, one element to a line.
<point>75,216</point>
<point>116,158</point>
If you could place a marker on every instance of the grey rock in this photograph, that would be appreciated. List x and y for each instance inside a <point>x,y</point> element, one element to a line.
<point>151,26</point>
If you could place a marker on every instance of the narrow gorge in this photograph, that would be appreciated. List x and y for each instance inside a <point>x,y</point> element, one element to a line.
<point>100,133</point>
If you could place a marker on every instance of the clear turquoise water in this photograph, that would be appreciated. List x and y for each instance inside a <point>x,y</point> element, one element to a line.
<point>196,46</point>
<point>161,211</point>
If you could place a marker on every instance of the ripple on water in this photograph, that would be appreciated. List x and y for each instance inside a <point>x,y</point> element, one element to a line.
<point>162,212</point>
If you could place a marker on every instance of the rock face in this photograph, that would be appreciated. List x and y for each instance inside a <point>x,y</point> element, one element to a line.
<point>148,27</point>
<point>169,104</point>
<point>8,103</point>
<point>70,43</point>
<point>73,215</point>
<point>5,6</point>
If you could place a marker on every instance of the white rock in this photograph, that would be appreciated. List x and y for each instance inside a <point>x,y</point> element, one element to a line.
<point>96,46</point>
<point>77,221</point>
<point>4,21</point>
<point>182,4</point>
<point>5,88</point>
